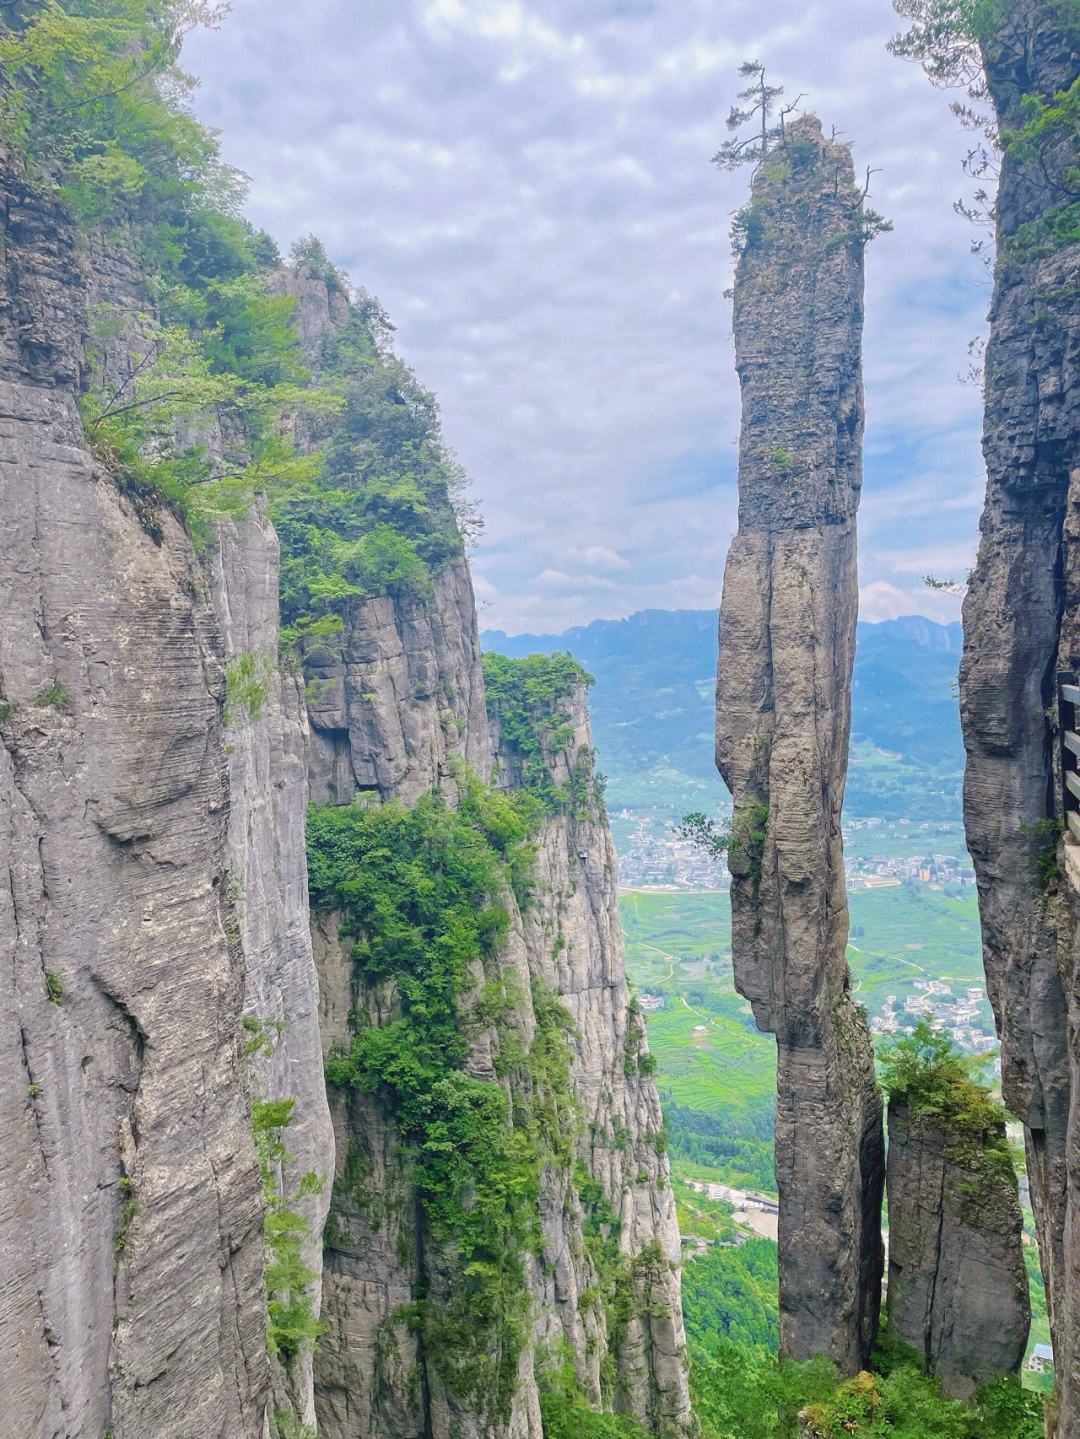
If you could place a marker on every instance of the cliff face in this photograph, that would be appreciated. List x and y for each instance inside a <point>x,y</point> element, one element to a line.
<point>787,636</point>
<point>1021,625</point>
<point>614,1299</point>
<point>575,949</point>
<point>130,1212</point>
<point>266,747</point>
<point>958,1290</point>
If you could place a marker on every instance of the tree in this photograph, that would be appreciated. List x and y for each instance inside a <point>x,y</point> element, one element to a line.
<point>759,104</point>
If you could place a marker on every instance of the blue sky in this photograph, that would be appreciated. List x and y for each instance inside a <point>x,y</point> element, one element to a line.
<point>526,186</point>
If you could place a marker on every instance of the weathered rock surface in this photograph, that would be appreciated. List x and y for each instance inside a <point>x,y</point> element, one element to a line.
<point>787,636</point>
<point>266,736</point>
<point>958,1289</point>
<point>1022,623</point>
<point>574,945</point>
<point>398,694</point>
<point>132,1295</point>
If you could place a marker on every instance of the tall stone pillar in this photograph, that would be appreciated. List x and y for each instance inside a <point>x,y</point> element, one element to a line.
<point>787,641</point>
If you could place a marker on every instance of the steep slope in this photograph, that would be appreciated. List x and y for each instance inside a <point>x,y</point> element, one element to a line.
<point>787,639</point>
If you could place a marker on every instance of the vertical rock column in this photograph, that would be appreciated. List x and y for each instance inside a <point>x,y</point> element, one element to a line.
<point>958,1288</point>
<point>787,639</point>
<point>1022,624</point>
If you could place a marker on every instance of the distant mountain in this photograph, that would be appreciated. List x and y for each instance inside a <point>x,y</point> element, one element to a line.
<point>653,711</point>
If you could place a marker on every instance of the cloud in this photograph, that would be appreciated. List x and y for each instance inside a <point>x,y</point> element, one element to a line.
<point>600,557</point>
<point>881,600</point>
<point>526,185</point>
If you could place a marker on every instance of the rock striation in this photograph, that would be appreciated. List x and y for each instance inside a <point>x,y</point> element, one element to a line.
<point>1022,625</point>
<point>787,637</point>
<point>130,1210</point>
<point>958,1288</point>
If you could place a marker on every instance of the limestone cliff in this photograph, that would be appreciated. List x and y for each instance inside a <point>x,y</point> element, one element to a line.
<point>130,1209</point>
<point>575,949</point>
<point>612,1298</point>
<point>787,637</point>
<point>958,1289</point>
<point>1021,625</point>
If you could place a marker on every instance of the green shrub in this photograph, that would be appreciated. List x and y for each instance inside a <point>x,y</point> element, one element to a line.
<point>247,688</point>
<point>57,697</point>
<point>527,698</point>
<point>291,1322</point>
<point>936,1082</point>
<point>55,988</point>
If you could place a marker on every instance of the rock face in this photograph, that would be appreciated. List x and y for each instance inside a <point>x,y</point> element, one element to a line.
<point>130,1211</point>
<point>1022,624</point>
<point>574,946</point>
<point>371,1378</point>
<point>787,637</point>
<point>958,1289</point>
<point>266,736</point>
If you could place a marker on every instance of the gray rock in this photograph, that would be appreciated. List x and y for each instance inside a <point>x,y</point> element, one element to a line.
<point>130,1211</point>
<point>266,746</point>
<point>958,1288</point>
<point>787,636</point>
<point>1022,623</point>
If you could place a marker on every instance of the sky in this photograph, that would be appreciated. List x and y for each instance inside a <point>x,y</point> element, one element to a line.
<point>526,185</point>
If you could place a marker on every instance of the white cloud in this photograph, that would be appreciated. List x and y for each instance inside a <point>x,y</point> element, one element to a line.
<point>599,557</point>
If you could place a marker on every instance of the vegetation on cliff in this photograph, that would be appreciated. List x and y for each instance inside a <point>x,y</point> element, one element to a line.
<point>423,893</point>
<point>527,699</point>
<point>928,1074</point>
<point>204,398</point>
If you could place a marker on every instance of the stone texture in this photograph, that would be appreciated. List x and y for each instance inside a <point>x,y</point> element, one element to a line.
<point>787,636</point>
<point>397,695</point>
<point>574,945</point>
<point>144,1318</point>
<point>266,746</point>
<point>1022,623</point>
<point>958,1288</point>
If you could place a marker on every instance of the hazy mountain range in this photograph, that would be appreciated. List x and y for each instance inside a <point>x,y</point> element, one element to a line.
<point>652,709</point>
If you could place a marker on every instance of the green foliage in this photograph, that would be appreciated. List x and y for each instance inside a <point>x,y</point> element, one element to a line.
<point>291,1322</point>
<point>57,697</point>
<point>742,1393</point>
<point>937,1082</point>
<point>247,688</point>
<point>128,1210</point>
<point>945,37</point>
<point>423,893</point>
<point>383,513</point>
<point>55,988</point>
<point>730,1295</point>
<point>94,101</point>
<point>567,1414</point>
<point>744,843</point>
<point>782,459</point>
<point>96,105</point>
<point>527,698</point>
<point>1049,831</point>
